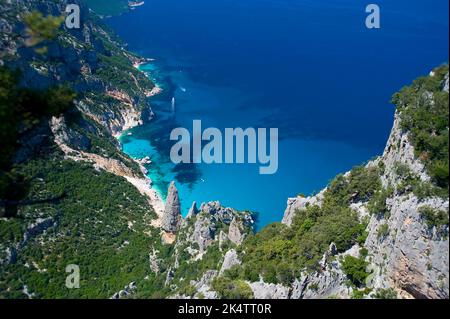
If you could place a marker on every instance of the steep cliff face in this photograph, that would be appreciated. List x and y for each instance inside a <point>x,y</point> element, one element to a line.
<point>418,266</point>
<point>413,256</point>
<point>378,231</point>
<point>111,92</point>
<point>405,253</point>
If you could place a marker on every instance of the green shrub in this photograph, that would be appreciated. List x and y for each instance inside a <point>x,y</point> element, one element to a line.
<point>433,217</point>
<point>360,185</point>
<point>363,183</point>
<point>363,252</point>
<point>232,289</point>
<point>377,204</point>
<point>388,293</point>
<point>383,231</point>
<point>188,290</point>
<point>355,270</point>
<point>313,287</point>
<point>360,294</point>
<point>426,189</point>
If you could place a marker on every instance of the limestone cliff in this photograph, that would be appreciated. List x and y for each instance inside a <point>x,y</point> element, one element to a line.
<point>411,257</point>
<point>402,253</point>
<point>111,92</point>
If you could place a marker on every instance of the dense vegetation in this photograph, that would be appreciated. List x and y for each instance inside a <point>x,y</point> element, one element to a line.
<point>91,229</point>
<point>424,112</point>
<point>433,217</point>
<point>21,110</point>
<point>355,269</point>
<point>232,289</point>
<point>66,212</point>
<point>279,252</point>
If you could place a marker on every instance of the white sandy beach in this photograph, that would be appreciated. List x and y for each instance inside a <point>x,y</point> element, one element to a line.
<point>144,187</point>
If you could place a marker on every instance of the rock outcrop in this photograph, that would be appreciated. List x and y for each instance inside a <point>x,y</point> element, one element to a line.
<point>418,257</point>
<point>172,214</point>
<point>126,292</point>
<point>193,211</point>
<point>298,203</point>
<point>203,286</point>
<point>262,290</point>
<point>231,259</point>
<point>203,228</point>
<point>235,233</point>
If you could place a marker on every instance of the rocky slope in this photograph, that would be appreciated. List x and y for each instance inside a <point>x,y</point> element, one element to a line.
<point>112,93</point>
<point>107,206</point>
<point>378,231</point>
<point>404,254</point>
<point>410,257</point>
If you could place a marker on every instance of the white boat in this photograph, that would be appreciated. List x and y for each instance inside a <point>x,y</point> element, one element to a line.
<point>134,4</point>
<point>173,105</point>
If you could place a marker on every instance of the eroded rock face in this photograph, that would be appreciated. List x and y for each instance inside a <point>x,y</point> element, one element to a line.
<point>262,290</point>
<point>172,214</point>
<point>417,257</point>
<point>65,136</point>
<point>203,286</point>
<point>298,203</point>
<point>412,258</point>
<point>231,259</point>
<point>193,211</point>
<point>236,234</point>
<point>204,231</point>
<point>445,84</point>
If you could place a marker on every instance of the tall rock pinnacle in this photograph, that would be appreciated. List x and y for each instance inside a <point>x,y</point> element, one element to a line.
<point>172,212</point>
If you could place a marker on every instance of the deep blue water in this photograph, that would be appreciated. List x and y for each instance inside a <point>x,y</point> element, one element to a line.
<point>309,68</point>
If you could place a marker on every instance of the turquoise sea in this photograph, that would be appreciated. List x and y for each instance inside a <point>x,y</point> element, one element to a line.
<point>309,68</point>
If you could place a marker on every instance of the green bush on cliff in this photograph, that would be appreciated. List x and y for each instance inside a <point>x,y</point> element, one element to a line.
<point>279,253</point>
<point>388,293</point>
<point>232,289</point>
<point>355,270</point>
<point>434,217</point>
<point>360,185</point>
<point>424,112</point>
<point>377,204</point>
